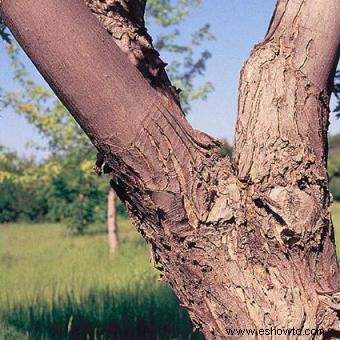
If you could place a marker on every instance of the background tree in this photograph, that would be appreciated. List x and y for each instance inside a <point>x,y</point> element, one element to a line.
<point>19,185</point>
<point>112,226</point>
<point>245,243</point>
<point>59,189</point>
<point>4,34</point>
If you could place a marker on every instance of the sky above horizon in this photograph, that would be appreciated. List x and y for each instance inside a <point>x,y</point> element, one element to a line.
<point>237,26</point>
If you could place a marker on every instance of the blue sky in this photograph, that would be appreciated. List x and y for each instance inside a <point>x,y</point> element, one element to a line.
<point>237,26</point>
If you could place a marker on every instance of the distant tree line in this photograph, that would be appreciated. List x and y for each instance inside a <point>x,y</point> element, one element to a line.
<point>62,188</point>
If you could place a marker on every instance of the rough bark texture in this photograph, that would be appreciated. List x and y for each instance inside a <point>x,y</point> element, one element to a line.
<point>281,154</point>
<point>246,243</point>
<point>112,227</point>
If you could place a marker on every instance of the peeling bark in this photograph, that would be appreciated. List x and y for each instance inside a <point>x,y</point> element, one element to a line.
<point>245,243</point>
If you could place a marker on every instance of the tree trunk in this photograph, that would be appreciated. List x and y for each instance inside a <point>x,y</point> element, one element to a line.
<point>112,228</point>
<point>245,243</point>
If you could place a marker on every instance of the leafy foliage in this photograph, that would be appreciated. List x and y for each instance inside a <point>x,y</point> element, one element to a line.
<point>183,72</point>
<point>4,32</point>
<point>70,192</point>
<point>59,189</point>
<point>169,12</point>
<point>189,58</point>
<point>21,198</point>
<point>76,196</point>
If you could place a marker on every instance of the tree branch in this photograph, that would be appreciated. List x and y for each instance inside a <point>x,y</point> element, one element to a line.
<point>301,47</point>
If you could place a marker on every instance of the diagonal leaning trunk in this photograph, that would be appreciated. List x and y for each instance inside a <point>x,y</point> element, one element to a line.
<point>245,243</point>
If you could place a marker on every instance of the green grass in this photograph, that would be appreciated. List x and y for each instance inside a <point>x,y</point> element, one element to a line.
<point>57,286</point>
<point>54,285</point>
<point>336,221</point>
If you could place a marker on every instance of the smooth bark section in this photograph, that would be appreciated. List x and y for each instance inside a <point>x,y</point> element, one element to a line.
<point>112,227</point>
<point>69,53</point>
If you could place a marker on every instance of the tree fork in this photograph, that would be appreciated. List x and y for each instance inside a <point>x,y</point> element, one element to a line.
<point>244,245</point>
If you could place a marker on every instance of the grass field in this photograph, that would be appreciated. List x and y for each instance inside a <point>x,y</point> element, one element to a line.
<point>336,221</point>
<point>57,286</point>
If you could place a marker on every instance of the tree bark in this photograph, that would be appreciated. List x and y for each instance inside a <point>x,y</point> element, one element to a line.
<point>246,243</point>
<point>112,228</point>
